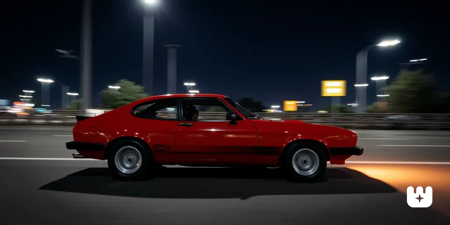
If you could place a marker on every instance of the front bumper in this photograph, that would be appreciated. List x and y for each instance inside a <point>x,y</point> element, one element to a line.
<point>85,146</point>
<point>347,151</point>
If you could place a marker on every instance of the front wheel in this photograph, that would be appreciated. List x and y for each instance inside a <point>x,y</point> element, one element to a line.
<point>131,160</point>
<point>304,162</point>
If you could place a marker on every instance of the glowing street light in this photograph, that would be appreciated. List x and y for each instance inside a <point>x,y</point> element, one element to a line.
<point>151,2</point>
<point>43,80</point>
<point>418,60</point>
<point>25,96</point>
<point>382,95</point>
<point>380,78</point>
<point>189,85</point>
<point>114,87</point>
<point>388,43</point>
<point>72,94</point>
<point>275,106</point>
<point>194,91</point>
<point>361,85</point>
<point>28,91</point>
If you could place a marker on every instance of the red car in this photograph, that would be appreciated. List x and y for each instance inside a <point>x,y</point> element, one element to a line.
<point>207,130</point>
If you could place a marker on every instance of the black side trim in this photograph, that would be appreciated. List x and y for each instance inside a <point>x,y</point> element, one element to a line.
<point>85,146</point>
<point>80,118</point>
<point>347,151</point>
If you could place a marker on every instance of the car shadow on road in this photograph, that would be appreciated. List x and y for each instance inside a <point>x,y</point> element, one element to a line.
<point>217,183</point>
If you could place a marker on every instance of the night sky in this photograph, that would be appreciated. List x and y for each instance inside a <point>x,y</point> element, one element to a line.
<point>269,50</point>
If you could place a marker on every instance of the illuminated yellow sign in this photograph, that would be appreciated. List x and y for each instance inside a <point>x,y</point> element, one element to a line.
<point>290,105</point>
<point>334,88</point>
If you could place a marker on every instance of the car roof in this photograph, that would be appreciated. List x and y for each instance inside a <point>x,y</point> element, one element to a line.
<point>186,95</point>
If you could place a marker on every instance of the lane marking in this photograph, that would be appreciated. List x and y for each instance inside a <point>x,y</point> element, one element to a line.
<point>431,146</point>
<point>400,139</point>
<point>347,162</point>
<point>13,141</point>
<point>62,135</point>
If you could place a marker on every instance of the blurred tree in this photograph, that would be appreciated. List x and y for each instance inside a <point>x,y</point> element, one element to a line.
<point>376,107</point>
<point>128,92</point>
<point>337,109</point>
<point>413,92</point>
<point>76,105</point>
<point>251,104</point>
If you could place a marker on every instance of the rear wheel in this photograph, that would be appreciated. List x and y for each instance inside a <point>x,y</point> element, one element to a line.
<point>304,162</point>
<point>131,160</point>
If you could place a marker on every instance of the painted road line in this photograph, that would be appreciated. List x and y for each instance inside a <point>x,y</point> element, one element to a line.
<point>396,139</point>
<point>13,141</point>
<point>62,135</point>
<point>428,146</point>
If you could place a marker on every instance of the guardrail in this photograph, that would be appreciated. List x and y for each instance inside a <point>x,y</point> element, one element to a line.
<point>346,120</point>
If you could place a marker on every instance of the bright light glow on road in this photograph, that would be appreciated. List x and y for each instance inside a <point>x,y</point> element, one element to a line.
<point>361,85</point>
<point>194,91</point>
<point>43,80</point>
<point>333,90</point>
<point>380,78</point>
<point>28,91</point>
<point>189,84</point>
<point>388,43</point>
<point>72,94</point>
<point>114,87</point>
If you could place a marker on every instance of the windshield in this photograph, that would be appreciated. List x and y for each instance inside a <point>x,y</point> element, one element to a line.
<point>242,110</point>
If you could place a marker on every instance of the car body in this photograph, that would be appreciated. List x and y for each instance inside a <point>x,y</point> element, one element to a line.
<point>159,130</point>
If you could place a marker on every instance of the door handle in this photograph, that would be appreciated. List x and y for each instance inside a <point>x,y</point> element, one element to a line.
<point>186,124</point>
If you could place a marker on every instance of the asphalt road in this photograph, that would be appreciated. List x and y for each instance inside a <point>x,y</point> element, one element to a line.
<point>41,184</point>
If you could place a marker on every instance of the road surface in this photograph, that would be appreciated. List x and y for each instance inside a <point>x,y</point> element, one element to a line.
<point>42,184</point>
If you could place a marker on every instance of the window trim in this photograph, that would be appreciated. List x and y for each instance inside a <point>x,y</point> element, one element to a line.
<point>180,114</point>
<point>156,118</point>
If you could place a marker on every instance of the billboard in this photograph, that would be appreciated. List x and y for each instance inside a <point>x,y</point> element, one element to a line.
<point>334,88</point>
<point>290,105</point>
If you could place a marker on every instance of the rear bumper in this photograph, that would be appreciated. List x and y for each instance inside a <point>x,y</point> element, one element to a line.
<point>73,145</point>
<point>347,151</point>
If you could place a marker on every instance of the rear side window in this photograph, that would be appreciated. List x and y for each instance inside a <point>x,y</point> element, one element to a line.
<point>164,109</point>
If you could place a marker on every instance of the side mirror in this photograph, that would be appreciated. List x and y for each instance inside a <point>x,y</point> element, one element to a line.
<point>232,117</point>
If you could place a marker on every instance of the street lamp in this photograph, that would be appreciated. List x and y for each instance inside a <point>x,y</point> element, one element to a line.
<point>25,96</point>
<point>113,87</point>
<point>72,97</point>
<point>380,83</point>
<point>383,96</point>
<point>45,89</point>
<point>28,91</point>
<point>189,85</point>
<point>412,62</point>
<point>148,45</point>
<point>275,106</point>
<point>361,70</point>
<point>194,91</point>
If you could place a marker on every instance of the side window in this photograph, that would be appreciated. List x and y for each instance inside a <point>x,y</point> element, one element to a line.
<point>204,109</point>
<point>159,109</point>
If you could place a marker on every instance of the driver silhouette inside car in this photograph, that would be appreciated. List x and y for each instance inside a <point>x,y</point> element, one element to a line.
<point>191,113</point>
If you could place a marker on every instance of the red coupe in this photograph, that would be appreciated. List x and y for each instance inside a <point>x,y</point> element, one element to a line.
<point>207,130</point>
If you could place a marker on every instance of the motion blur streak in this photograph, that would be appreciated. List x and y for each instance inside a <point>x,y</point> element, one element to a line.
<point>402,176</point>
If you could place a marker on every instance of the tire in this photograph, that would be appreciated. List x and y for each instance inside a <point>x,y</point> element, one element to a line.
<point>123,161</point>
<point>310,169</point>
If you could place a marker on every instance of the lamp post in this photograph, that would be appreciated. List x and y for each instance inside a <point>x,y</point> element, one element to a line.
<point>72,97</point>
<point>172,68</point>
<point>194,91</point>
<point>189,85</point>
<point>380,83</point>
<point>361,71</point>
<point>114,87</point>
<point>45,91</point>
<point>148,45</point>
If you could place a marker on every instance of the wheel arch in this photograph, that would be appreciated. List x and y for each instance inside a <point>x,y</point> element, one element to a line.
<point>111,144</point>
<point>310,141</point>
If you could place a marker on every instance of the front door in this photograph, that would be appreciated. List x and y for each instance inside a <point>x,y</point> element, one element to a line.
<point>211,137</point>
